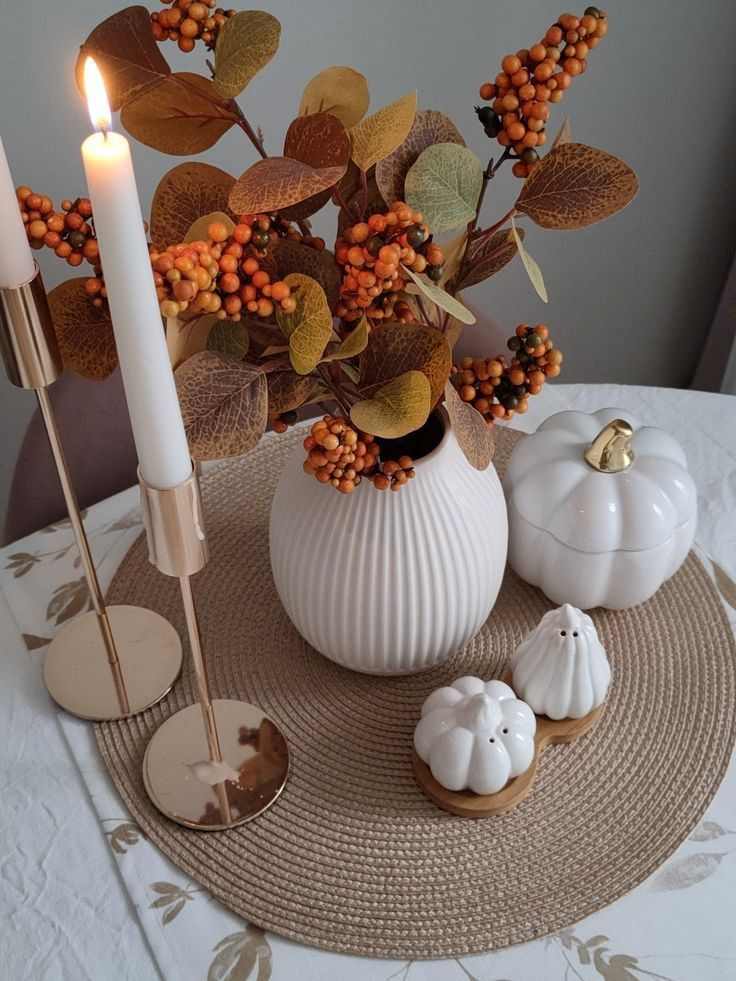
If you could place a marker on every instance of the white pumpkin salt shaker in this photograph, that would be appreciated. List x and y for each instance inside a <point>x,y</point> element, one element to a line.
<point>561,669</point>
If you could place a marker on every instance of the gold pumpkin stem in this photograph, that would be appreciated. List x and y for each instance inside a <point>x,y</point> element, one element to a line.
<point>610,451</point>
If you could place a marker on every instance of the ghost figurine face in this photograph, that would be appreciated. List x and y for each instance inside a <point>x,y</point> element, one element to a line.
<point>561,669</point>
<point>475,735</point>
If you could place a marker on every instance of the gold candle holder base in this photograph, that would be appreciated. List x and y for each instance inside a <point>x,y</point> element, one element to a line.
<point>189,788</point>
<point>110,663</point>
<point>79,678</point>
<point>221,762</point>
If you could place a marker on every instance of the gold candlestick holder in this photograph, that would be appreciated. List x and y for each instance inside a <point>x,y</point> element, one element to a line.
<point>114,661</point>
<point>221,762</point>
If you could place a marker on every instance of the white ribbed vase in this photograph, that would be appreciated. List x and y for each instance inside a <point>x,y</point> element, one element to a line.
<point>390,583</point>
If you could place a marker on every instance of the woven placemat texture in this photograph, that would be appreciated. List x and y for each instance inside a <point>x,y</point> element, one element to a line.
<point>353,857</point>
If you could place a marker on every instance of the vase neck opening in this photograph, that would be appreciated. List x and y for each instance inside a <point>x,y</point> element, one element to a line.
<point>419,444</point>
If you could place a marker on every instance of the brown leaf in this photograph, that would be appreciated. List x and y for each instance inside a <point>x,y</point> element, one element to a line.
<point>287,391</point>
<point>245,44</point>
<point>126,53</point>
<point>84,332</point>
<point>320,140</point>
<point>339,90</point>
<point>486,256</point>
<point>429,127</point>
<point>182,114</point>
<point>380,134</point>
<point>198,229</point>
<point>290,256</point>
<point>576,185</point>
<point>278,182</point>
<point>185,338</point>
<point>351,192</point>
<point>397,348</point>
<point>185,193</point>
<point>224,404</point>
<point>124,835</point>
<point>475,437</point>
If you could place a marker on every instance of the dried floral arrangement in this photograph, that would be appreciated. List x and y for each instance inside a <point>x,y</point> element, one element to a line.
<point>260,316</point>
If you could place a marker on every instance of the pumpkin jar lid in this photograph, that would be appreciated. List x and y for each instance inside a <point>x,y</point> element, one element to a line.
<point>601,482</point>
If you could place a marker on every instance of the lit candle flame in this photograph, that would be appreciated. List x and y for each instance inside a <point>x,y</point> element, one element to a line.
<point>97,104</point>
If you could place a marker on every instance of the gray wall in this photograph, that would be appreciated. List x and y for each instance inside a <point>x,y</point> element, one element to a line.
<point>630,300</point>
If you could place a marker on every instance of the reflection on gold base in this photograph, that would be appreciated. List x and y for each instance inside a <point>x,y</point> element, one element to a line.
<point>79,676</point>
<point>190,789</point>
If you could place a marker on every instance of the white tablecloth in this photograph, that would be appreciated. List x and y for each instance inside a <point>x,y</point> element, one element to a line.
<point>84,896</point>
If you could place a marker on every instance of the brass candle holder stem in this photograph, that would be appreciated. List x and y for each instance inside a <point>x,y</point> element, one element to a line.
<point>90,573</point>
<point>112,662</point>
<point>231,767</point>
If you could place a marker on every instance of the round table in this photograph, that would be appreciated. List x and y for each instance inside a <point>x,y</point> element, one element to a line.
<point>84,895</point>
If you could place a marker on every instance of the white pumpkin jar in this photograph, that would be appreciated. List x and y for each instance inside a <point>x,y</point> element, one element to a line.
<point>475,735</point>
<point>601,509</point>
<point>561,669</point>
<point>391,583</point>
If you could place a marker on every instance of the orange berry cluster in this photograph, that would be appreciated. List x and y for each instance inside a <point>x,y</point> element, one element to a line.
<point>340,455</point>
<point>186,21</point>
<point>497,387</point>
<point>69,232</point>
<point>223,274</point>
<point>372,254</point>
<point>533,78</point>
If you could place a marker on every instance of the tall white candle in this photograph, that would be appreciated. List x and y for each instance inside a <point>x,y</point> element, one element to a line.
<point>16,262</point>
<point>153,405</point>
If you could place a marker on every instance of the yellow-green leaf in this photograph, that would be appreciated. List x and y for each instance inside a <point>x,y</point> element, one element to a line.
<point>231,339</point>
<point>198,230</point>
<point>445,184</point>
<point>245,44</point>
<point>309,327</point>
<point>532,269</point>
<point>182,114</point>
<point>378,135</point>
<point>442,298</point>
<point>564,134</point>
<point>339,90</point>
<point>397,408</point>
<point>353,344</point>
<point>397,348</point>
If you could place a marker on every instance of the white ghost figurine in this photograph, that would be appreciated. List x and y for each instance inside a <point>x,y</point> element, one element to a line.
<point>561,669</point>
<point>475,735</point>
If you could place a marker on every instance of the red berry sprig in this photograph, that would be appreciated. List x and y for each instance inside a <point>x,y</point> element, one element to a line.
<point>187,21</point>
<point>69,232</point>
<point>372,253</point>
<point>498,387</point>
<point>534,78</point>
<point>341,456</point>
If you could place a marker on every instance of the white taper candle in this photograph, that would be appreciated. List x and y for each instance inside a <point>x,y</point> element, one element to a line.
<point>16,262</point>
<point>153,405</point>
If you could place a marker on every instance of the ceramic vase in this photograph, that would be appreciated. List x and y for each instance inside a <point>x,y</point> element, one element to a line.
<point>391,582</point>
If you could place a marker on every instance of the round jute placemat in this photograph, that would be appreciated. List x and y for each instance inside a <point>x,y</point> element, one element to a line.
<point>353,857</point>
